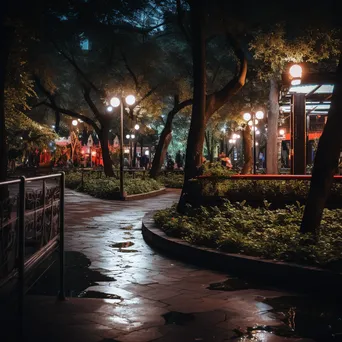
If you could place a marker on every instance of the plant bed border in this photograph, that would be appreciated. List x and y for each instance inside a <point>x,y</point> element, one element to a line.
<point>116,195</point>
<point>145,195</point>
<point>283,274</point>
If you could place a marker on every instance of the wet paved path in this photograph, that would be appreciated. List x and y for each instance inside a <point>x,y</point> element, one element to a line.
<point>158,298</point>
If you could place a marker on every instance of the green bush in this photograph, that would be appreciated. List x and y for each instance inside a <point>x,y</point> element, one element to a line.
<point>172,180</point>
<point>273,234</point>
<point>108,188</point>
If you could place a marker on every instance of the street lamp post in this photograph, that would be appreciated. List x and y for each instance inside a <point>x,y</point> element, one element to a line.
<point>116,102</point>
<point>252,120</point>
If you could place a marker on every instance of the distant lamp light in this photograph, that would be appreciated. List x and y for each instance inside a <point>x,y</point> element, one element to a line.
<point>247,116</point>
<point>296,82</point>
<point>256,144</point>
<point>136,127</point>
<point>132,136</point>
<point>74,122</point>
<point>296,71</point>
<point>250,123</point>
<point>110,109</point>
<point>259,114</point>
<point>230,141</point>
<point>257,132</point>
<point>130,100</point>
<point>147,153</point>
<point>234,136</point>
<point>127,136</point>
<point>53,126</point>
<point>282,131</point>
<point>256,121</point>
<point>115,102</point>
<point>126,151</point>
<point>238,136</point>
<point>93,153</point>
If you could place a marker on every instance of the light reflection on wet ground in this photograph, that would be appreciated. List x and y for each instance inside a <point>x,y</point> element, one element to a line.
<point>145,296</point>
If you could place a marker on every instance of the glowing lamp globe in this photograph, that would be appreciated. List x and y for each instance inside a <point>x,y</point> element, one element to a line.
<point>250,123</point>
<point>109,109</point>
<point>130,100</point>
<point>247,116</point>
<point>282,131</point>
<point>115,102</point>
<point>296,71</point>
<point>127,136</point>
<point>259,115</point>
<point>74,122</point>
<point>132,136</point>
<point>136,127</point>
<point>257,132</point>
<point>234,136</point>
<point>256,121</point>
<point>230,141</point>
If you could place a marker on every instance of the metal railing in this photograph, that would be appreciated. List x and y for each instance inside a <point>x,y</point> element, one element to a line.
<point>31,228</point>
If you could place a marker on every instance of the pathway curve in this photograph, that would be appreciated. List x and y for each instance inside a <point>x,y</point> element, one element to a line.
<point>150,297</point>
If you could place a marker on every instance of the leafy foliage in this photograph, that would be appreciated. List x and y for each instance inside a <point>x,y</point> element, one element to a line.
<point>172,180</point>
<point>272,234</point>
<point>108,188</point>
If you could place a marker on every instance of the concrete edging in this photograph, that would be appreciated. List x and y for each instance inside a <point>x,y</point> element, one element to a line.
<point>145,195</point>
<point>283,274</point>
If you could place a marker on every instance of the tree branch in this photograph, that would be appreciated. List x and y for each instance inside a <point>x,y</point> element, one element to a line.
<point>77,68</point>
<point>91,104</point>
<point>180,21</point>
<point>74,115</point>
<point>135,79</point>
<point>147,95</point>
<point>216,100</point>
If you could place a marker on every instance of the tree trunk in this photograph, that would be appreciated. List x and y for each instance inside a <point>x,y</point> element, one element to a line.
<point>107,161</point>
<point>207,142</point>
<point>326,161</point>
<point>57,121</point>
<point>195,142</point>
<point>135,154</point>
<point>212,148</point>
<point>163,144</point>
<point>247,150</point>
<point>272,129</point>
<point>6,34</point>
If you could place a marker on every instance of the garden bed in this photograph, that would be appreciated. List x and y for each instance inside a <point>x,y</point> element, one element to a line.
<point>279,193</point>
<point>258,232</point>
<point>108,188</point>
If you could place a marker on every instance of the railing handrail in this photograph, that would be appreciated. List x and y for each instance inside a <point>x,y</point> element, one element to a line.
<point>31,179</point>
<point>15,181</point>
<point>264,177</point>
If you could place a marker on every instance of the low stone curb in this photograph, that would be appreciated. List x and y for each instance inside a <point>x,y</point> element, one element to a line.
<point>145,195</point>
<point>283,274</point>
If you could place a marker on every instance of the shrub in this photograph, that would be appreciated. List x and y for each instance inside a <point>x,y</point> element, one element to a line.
<point>172,180</point>
<point>108,188</point>
<point>273,234</point>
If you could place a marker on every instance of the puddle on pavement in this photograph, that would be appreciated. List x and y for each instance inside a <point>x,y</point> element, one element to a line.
<point>127,227</point>
<point>96,294</point>
<point>177,318</point>
<point>318,318</point>
<point>231,284</point>
<point>78,276</point>
<point>122,244</point>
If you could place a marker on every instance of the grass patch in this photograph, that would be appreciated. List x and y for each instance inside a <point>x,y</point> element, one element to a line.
<point>271,234</point>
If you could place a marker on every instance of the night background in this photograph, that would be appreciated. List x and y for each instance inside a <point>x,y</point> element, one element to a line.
<point>170,170</point>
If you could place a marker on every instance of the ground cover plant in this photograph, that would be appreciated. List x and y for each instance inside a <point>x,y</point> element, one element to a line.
<point>262,232</point>
<point>108,188</point>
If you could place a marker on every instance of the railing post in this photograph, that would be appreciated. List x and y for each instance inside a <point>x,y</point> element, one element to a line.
<point>21,250</point>
<point>61,295</point>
